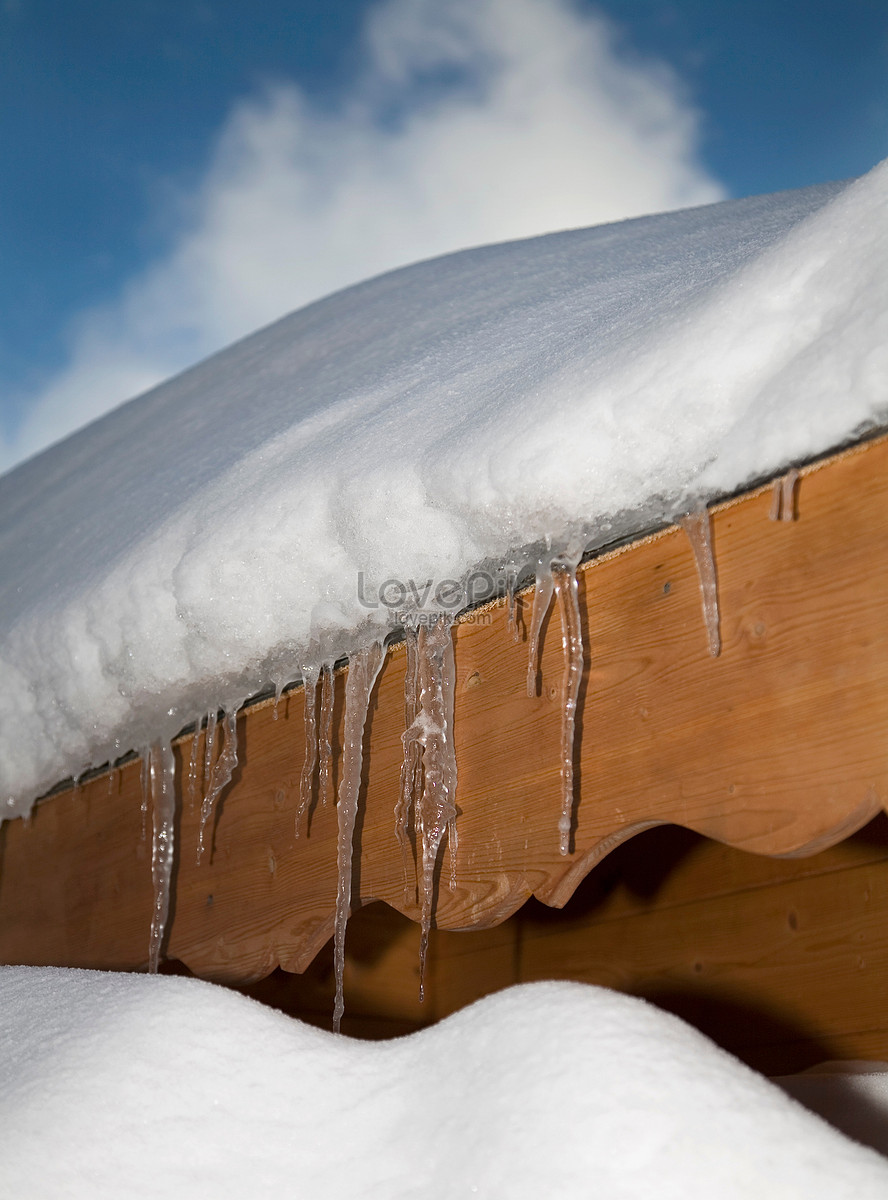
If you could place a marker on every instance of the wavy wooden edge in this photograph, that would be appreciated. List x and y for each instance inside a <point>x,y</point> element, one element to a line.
<point>777,747</point>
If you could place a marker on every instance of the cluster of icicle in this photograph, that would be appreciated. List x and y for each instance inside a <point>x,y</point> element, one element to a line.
<point>426,810</point>
<point>214,771</point>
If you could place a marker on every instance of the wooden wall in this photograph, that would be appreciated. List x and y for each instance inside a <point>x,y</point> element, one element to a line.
<point>778,747</point>
<point>782,962</point>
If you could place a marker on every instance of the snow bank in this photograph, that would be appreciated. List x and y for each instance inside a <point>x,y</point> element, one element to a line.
<point>122,1085</point>
<point>207,539</point>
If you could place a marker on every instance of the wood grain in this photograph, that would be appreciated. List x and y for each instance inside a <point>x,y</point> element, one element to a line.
<point>778,746</point>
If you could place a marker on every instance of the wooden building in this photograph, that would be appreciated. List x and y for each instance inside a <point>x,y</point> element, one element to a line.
<point>729,849</point>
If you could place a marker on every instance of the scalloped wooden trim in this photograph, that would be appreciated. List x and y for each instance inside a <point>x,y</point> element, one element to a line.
<point>780,746</point>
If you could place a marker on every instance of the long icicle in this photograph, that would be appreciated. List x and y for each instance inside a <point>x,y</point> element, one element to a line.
<point>146,790</point>
<point>564,576</point>
<point>436,811</point>
<point>310,693</point>
<point>209,744</point>
<point>363,669</point>
<point>162,780</point>
<point>511,586</point>
<point>411,764</point>
<point>325,736</point>
<point>448,688</point>
<point>542,598</point>
<point>698,527</point>
<point>220,777</point>
<point>194,763</point>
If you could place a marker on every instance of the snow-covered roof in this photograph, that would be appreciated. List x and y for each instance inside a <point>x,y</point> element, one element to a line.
<point>229,528</point>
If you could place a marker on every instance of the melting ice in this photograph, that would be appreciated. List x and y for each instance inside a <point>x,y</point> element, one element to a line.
<point>698,527</point>
<point>161,779</point>
<point>363,668</point>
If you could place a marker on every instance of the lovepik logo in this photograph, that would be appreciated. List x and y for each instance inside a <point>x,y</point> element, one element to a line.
<point>443,595</point>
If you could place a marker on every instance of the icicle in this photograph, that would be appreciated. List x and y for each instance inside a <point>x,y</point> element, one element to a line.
<point>776,500</point>
<point>411,764</point>
<point>220,777</point>
<point>542,598</point>
<point>310,688</point>
<point>363,668</point>
<point>325,736</point>
<point>511,585</point>
<point>113,778</point>
<point>564,576</point>
<point>209,743</point>
<point>783,497</point>
<point>452,850</point>
<point>789,494</point>
<point>146,786</point>
<point>194,764</point>
<point>278,692</point>
<point>435,812</point>
<point>698,527</point>
<point>162,779</point>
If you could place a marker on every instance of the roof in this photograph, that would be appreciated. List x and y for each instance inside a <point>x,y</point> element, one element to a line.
<point>229,528</point>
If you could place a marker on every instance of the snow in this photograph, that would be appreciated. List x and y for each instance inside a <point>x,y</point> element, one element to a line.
<point>125,1085</point>
<point>228,529</point>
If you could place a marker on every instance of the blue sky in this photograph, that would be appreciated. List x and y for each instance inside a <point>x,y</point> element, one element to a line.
<point>156,154</point>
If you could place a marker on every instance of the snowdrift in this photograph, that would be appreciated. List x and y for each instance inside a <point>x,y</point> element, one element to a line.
<point>129,1085</point>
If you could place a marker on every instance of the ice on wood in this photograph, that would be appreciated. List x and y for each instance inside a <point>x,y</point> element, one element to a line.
<point>310,724</point>
<point>218,777</point>
<point>411,764</point>
<point>363,668</point>
<point>543,591</point>
<point>783,496</point>
<point>429,780</point>
<point>195,778</point>
<point>162,781</point>
<point>698,527</point>
<point>564,577</point>
<point>556,575</point>
<point>325,735</point>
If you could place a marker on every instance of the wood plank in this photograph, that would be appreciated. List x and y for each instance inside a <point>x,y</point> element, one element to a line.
<point>803,963</point>
<point>778,746</point>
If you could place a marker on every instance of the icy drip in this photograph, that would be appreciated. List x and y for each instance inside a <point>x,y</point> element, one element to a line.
<point>564,576</point>
<point>146,788</point>
<point>209,743</point>
<point>698,527</point>
<point>162,781</point>
<point>411,765</point>
<point>325,736</point>
<point>363,668</point>
<point>511,586</point>
<point>219,778</point>
<point>432,730</point>
<point>542,598</point>
<point>194,763</point>
<point>310,691</point>
<point>783,497</point>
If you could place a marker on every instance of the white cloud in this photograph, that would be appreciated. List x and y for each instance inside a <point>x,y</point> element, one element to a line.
<point>472,121</point>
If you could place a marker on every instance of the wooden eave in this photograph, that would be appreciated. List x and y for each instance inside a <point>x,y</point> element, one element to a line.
<point>779,746</point>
